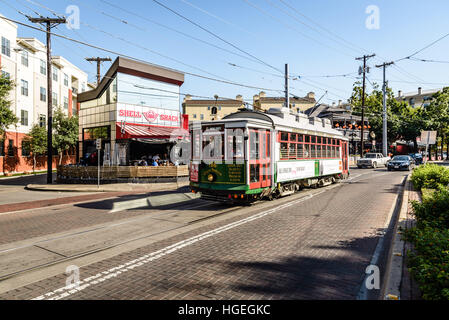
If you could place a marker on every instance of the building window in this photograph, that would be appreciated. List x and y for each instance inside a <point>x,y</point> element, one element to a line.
<point>66,103</point>
<point>54,73</point>
<point>6,47</point>
<point>6,74</point>
<point>43,94</point>
<point>24,87</point>
<point>208,108</point>
<point>11,148</point>
<point>2,148</point>
<point>66,80</point>
<point>25,58</point>
<point>54,101</point>
<point>43,67</point>
<point>214,110</point>
<point>194,116</point>
<point>202,116</point>
<point>23,117</point>
<point>25,148</point>
<point>83,87</point>
<point>42,120</point>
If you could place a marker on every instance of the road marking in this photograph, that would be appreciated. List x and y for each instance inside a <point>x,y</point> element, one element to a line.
<point>66,291</point>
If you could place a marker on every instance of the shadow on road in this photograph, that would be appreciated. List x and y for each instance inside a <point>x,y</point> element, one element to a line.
<point>291,277</point>
<point>25,180</point>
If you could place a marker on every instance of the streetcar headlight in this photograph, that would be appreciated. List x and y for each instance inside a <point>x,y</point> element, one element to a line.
<point>210,177</point>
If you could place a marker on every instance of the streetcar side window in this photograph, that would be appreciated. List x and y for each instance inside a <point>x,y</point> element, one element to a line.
<point>235,144</point>
<point>254,173</point>
<point>254,145</point>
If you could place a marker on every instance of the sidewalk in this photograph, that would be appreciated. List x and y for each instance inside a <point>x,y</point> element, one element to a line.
<point>116,187</point>
<point>399,284</point>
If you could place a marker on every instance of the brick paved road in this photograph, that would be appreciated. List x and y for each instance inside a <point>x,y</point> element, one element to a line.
<point>312,248</point>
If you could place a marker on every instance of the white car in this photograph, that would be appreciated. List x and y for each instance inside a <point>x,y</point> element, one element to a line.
<point>372,160</point>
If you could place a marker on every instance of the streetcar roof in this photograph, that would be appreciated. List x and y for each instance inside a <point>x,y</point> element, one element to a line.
<point>285,121</point>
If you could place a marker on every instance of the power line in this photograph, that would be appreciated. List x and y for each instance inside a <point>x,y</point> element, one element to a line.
<point>137,59</point>
<point>424,48</point>
<point>292,28</point>
<point>166,27</point>
<point>215,35</point>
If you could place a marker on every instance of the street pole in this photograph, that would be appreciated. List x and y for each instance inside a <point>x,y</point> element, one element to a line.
<point>49,23</point>
<point>384,113</point>
<point>98,60</point>
<point>365,57</point>
<point>287,98</point>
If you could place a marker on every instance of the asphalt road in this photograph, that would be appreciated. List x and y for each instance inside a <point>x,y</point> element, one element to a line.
<point>315,244</point>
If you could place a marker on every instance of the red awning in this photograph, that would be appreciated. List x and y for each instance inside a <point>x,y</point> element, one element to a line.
<point>141,131</point>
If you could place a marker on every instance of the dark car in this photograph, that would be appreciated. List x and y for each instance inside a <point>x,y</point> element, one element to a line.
<point>401,163</point>
<point>417,157</point>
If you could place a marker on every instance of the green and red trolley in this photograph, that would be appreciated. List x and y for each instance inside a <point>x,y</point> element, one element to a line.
<point>250,155</point>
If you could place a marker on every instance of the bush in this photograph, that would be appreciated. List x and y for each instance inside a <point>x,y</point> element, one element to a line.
<point>434,209</point>
<point>429,263</point>
<point>430,176</point>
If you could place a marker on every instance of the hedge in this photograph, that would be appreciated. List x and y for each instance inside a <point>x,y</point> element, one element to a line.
<point>430,176</point>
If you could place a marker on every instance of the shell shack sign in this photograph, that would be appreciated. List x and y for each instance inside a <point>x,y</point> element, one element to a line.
<point>148,115</point>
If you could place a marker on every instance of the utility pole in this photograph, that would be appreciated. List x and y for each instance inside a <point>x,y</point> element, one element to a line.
<point>49,23</point>
<point>98,60</point>
<point>365,57</point>
<point>287,98</point>
<point>384,113</point>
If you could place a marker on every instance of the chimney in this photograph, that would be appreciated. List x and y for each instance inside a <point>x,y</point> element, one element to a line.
<point>262,94</point>
<point>311,95</point>
<point>419,90</point>
<point>339,102</point>
<point>187,97</point>
<point>399,93</point>
<point>239,97</point>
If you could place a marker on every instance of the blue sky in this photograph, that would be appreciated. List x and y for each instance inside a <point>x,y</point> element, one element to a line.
<point>273,36</point>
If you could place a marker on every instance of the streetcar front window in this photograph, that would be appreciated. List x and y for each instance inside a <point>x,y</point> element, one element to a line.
<point>235,144</point>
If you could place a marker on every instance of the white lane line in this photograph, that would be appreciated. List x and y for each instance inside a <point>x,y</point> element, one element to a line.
<point>116,271</point>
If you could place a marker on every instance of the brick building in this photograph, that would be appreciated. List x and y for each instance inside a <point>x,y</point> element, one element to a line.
<point>25,61</point>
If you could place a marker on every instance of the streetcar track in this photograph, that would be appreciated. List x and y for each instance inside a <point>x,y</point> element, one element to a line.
<point>300,197</point>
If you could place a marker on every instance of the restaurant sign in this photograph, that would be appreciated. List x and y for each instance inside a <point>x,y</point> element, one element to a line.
<point>148,115</point>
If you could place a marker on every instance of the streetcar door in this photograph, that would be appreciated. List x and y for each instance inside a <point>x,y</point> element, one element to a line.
<point>344,152</point>
<point>259,159</point>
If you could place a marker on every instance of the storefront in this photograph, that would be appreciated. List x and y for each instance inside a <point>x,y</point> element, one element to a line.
<point>136,112</point>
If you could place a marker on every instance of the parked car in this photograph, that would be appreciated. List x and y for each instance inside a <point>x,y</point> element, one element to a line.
<point>401,163</point>
<point>417,157</point>
<point>372,160</point>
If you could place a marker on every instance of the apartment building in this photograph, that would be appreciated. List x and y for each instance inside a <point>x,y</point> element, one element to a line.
<point>210,109</point>
<point>25,61</point>
<point>420,98</point>
<point>297,104</point>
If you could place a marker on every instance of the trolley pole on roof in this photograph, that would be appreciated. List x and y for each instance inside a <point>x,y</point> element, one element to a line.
<point>364,58</point>
<point>49,23</point>
<point>384,113</point>
<point>287,99</point>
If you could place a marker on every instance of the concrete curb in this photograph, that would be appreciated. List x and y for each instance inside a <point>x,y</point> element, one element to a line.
<point>393,280</point>
<point>118,187</point>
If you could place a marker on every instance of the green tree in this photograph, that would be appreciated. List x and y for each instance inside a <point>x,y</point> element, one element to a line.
<point>7,117</point>
<point>37,142</point>
<point>65,132</point>
<point>412,122</point>
<point>437,114</point>
<point>374,110</point>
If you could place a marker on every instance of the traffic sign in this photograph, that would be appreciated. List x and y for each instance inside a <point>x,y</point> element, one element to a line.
<point>98,144</point>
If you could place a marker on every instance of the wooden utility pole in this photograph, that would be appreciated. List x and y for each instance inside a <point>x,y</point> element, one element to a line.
<point>287,93</point>
<point>364,58</point>
<point>98,60</point>
<point>384,113</point>
<point>49,23</point>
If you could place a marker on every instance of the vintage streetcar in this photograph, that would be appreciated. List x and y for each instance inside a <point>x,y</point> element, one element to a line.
<point>250,155</point>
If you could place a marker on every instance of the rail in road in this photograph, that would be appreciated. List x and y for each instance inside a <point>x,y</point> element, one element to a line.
<point>118,237</point>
